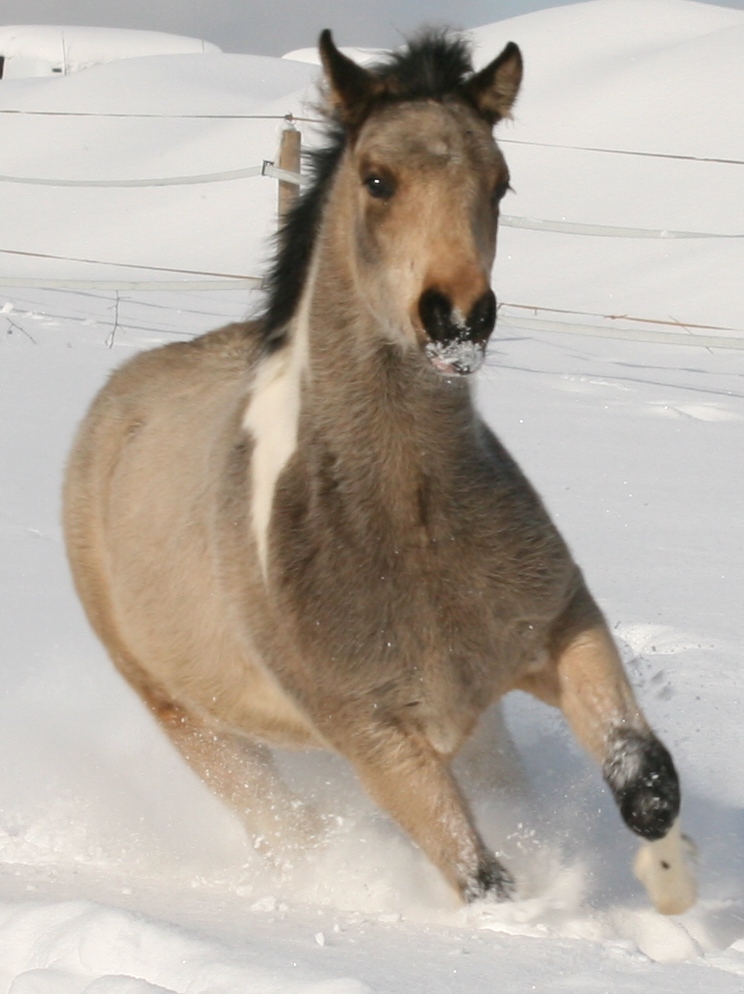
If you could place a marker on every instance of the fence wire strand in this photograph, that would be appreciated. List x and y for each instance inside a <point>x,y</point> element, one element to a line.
<point>516,315</point>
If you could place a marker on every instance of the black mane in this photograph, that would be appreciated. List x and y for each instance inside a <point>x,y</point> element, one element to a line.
<point>432,65</point>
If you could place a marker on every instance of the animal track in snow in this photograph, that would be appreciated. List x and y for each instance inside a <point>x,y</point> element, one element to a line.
<point>698,412</point>
<point>643,647</point>
<point>654,639</point>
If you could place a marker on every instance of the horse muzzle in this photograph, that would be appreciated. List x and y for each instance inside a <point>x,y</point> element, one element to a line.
<point>456,343</point>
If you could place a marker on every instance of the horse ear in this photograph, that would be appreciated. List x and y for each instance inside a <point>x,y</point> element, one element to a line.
<point>351,87</point>
<point>494,89</point>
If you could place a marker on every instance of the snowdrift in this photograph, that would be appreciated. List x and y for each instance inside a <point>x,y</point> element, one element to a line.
<point>41,50</point>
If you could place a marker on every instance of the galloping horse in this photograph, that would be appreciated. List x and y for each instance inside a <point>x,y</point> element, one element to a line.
<point>298,532</point>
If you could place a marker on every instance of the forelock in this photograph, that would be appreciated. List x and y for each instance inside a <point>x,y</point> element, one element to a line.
<point>434,63</point>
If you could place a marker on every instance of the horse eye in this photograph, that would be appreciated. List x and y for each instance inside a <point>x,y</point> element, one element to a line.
<point>378,187</point>
<point>500,192</point>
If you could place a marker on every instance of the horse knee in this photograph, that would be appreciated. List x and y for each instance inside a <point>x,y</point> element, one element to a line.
<point>641,774</point>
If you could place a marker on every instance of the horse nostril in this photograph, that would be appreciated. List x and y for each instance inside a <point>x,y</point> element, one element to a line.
<point>482,318</point>
<point>435,311</point>
<point>456,343</point>
<point>445,324</point>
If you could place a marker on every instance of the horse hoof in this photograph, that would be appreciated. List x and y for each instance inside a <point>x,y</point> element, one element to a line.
<point>664,868</point>
<point>493,882</point>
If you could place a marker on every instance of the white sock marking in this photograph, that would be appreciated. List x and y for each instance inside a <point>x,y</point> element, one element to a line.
<point>663,867</point>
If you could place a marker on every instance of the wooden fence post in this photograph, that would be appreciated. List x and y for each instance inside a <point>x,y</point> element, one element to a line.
<point>289,158</point>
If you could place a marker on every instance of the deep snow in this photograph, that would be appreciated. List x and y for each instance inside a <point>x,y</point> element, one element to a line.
<point>119,872</point>
<point>33,50</point>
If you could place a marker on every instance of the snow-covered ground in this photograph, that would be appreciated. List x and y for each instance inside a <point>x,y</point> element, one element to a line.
<point>119,872</point>
<point>31,50</point>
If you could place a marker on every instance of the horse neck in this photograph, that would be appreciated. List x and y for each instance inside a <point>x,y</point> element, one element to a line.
<point>368,399</point>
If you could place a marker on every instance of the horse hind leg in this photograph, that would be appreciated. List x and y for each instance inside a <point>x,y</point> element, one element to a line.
<point>241,772</point>
<point>584,677</point>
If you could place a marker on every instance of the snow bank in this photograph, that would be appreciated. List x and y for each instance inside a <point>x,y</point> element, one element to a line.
<point>658,76</point>
<point>153,118</point>
<point>42,49</point>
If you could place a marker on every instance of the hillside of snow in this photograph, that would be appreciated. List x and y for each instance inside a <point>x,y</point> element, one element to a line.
<point>119,872</point>
<point>32,50</point>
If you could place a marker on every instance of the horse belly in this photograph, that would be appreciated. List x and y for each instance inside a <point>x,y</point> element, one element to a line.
<point>176,618</point>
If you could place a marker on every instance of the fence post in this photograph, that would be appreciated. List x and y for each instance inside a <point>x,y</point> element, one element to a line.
<point>289,158</point>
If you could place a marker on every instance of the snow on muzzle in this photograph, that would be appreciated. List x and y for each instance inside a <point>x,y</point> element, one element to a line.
<point>456,344</point>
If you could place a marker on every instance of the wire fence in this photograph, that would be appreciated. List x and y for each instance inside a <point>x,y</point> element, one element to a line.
<point>292,118</point>
<point>517,315</point>
<point>630,328</point>
<point>145,115</point>
<point>267,168</point>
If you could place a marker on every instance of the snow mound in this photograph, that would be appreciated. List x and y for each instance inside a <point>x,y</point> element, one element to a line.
<point>659,75</point>
<point>40,49</point>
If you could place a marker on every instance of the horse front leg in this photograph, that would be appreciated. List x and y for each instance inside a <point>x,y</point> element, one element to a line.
<point>585,678</point>
<point>410,780</point>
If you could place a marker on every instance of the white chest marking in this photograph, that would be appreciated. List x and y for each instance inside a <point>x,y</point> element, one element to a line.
<point>272,419</point>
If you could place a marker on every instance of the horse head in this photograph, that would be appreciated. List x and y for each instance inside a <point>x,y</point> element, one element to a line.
<point>422,185</point>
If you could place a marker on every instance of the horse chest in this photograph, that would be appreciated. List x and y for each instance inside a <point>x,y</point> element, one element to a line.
<point>441,538</point>
<point>423,586</point>
<point>419,609</point>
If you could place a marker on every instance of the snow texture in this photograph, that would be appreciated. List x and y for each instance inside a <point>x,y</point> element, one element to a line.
<point>42,49</point>
<point>119,872</point>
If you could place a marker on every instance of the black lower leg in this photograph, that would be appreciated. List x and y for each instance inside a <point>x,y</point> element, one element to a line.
<point>491,880</point>
<point>641,775</point>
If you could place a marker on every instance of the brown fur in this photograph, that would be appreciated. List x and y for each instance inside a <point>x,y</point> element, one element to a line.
<point>412,575</point>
